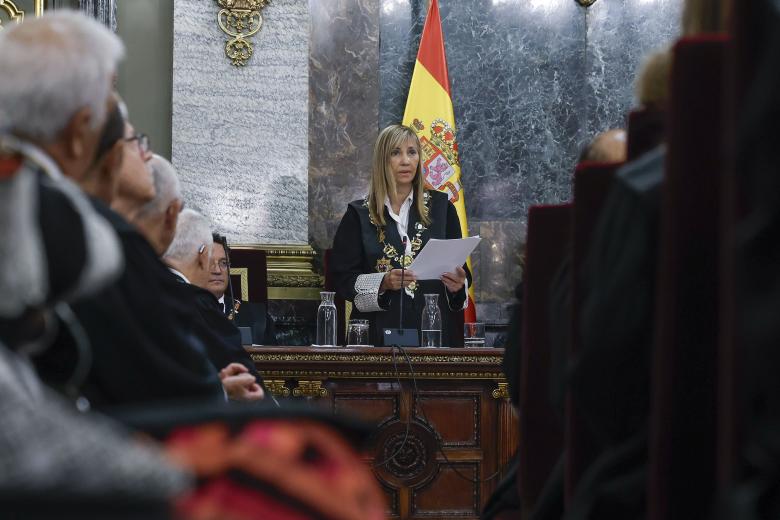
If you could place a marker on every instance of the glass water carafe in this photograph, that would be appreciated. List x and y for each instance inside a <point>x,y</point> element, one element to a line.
<point>326,321</point>
<point>430,325</point>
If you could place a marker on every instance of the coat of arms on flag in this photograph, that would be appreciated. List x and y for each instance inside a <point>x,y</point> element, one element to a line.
<point>440,157</point>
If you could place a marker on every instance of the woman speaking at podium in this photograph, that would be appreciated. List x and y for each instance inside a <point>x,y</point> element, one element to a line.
<point>369,249</point>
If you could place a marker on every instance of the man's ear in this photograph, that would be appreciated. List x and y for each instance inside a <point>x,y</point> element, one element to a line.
<point>76,132</point>
<point>172,214</point>
<point>203,258</point>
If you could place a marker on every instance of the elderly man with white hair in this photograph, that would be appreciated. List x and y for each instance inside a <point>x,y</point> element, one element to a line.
<point>189,258</point>
<point>55,75</point>
<point>141,347</point>
<point>157,219</point>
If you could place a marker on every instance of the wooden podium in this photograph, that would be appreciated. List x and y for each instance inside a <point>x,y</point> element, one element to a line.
<point>445,427</point>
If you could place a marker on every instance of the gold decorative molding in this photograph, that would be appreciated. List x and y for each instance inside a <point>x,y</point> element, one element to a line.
<point>277,387</point>
<point>240,19</point>
<point>243,273</point>
<point>347,358</point>
<point>283,280</point>
<point>309,389</point>
<point>502,392</point>
<point>14,13</point>
<point>291,273</point>
<point>379,374</point>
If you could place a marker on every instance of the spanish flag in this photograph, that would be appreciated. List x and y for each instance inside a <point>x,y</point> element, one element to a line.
<point>429,112</point>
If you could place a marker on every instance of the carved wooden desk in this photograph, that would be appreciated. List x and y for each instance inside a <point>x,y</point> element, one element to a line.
<point>461,428</point>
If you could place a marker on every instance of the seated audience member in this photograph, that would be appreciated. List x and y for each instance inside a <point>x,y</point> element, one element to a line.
<point>156,220</point>
<point>613,363</point>
<point>47,448</point>
<point>244,314</point>
<point>136,187</point>
<point>189,259</point>
<point>142,347</point>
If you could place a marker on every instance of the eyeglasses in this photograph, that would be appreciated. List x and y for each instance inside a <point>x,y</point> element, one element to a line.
<point>222,264</point>
<point>143,142</point>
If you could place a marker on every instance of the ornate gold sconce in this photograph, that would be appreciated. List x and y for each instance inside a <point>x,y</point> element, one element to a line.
<point>240,19</point>
<point>586,3</point>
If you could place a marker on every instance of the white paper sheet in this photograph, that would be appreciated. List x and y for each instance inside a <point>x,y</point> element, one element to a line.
<point>442,256</point>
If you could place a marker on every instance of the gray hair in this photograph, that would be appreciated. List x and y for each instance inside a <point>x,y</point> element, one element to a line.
<point>50,68</point>
<point>193,230</point>
<point>166,187</point>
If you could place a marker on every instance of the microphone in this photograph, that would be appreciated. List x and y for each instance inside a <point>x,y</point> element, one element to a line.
<point>403,290</point>
<point>402,337</point>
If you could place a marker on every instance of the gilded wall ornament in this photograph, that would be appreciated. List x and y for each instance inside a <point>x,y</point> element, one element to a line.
<point>240,19</point>
<point>586,3</point>
<point>13,12</point>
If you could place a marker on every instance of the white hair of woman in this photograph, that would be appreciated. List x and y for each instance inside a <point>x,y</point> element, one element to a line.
<point>193,237</point>
<point>166,187</point>
<point>50,68</point>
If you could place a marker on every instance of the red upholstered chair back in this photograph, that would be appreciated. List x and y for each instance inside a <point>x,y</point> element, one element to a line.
<point>646,130</point>
<point>249,274</point>
<point>683,422</point>
<point>591,186</point>
<point>341,304</point>
<point>541,431</point>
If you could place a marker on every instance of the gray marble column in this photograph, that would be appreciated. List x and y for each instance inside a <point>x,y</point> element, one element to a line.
<point>240,134</point>
<point>344,108</point>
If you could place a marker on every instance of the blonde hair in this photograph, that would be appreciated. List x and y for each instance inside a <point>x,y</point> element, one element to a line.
<point>704,16</point>
<point>382,182</point>
<point>652,81</point>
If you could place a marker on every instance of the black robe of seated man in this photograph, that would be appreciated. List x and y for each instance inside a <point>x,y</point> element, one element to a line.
<point>221,337</point>
<point>142,343</point>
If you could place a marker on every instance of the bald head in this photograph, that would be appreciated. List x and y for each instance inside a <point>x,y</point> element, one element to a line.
<point>609,146</point>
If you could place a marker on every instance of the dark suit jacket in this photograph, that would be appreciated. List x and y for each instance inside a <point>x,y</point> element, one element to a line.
<point>221,337</point>
<point>143,349</point>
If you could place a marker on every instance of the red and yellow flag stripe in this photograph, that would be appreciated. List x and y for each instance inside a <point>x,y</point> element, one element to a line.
<point>430,113</point>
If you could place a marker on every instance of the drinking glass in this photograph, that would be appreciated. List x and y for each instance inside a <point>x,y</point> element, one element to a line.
<point>357,333</point>
<point>474,334</point>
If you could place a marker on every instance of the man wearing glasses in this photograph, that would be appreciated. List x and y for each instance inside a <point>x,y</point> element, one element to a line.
<point>253,315</point>
<point>136,185</point>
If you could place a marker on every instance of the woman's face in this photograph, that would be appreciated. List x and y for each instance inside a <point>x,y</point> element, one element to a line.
<point>403,163</point>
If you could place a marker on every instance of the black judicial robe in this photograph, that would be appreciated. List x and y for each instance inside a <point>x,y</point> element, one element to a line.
<point>356,250</point>
<point>611,374</point>
<point>220,336</point>
<point>142,346</point>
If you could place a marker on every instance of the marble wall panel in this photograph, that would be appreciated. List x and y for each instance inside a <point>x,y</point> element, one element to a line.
<point>620,34</point>
<point>240,134</point>
<point>343,109</point>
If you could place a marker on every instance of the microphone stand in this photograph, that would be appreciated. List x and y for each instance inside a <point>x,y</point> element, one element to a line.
<point>401,337</point>
<point>232,312</point>
<point>403,289</point>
